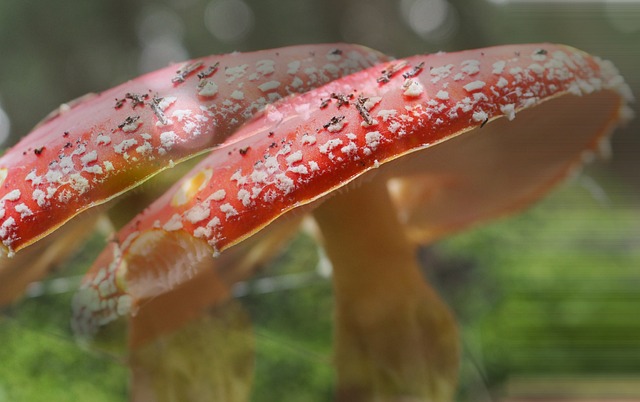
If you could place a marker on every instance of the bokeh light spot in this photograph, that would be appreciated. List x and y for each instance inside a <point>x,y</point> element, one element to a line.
<point>5,126</point>
<point>432,20</point>
<point>228,21</point>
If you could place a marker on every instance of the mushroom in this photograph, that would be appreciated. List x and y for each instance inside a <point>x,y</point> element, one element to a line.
<point>100,146</point>
<point>90,151</point>
<point>399,154</point>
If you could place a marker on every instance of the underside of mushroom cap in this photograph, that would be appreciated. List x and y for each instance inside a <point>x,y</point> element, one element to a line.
<point>503,167</point>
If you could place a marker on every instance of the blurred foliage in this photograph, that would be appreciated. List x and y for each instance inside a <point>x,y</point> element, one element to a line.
<point>554,290</point>
<point>41,360</point>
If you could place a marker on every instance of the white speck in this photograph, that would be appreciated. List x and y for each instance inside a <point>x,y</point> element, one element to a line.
<point>207,88</point>
<point>297,82</point>
<point>528,102</point>
<point>124,145</point>
<point>168,139</point>
<point>90,157</point>
<point>33,178</point>
<point>304,110</point>
<point>480,116</point>
<point>394,126</point>
<point>124,305</point>
<point>365,124</point>
<point>95,169</point>
<point>273,114</point>
<point>474,86</point>
<point>371,102</point>
<point>228,210</point>
<point>219,195</point>
<point>516,71</point>
<point>350,149</point>
<point>201,232</point>
<point>386,114</point>
<point>166,102</point>
<point>270,196</point>
<point>336,125</point>
<point>108,166</point>
<point>293,67</point>
<point>23,210</point>
<point>234,73</point>
<point>470,67</point>
<point>258,176</point>
<point>539,55</point>
<point>311,71</point>
<point>440,72</point>
<point>269,86</point>
<point>239,178</point>
<point>502,82</point>
<point>271,163</point>
<point>329,145</point>
<point>585,87</point>
<point>458,77</point>
<point>574,88</point>
<point>13,195</point>
<point>308,139</point>
<point>39,197</point>
<point>102,139</point>
<point>238,95</point>
<point>215,221</point>
<point>6,226</point>
<point>413,88</point>
<point>314,166</point>
<point>498,67</point>
<point>197,213</point>
<point>181,114</point>
<point>54,176</point>
<point>299,169</point>
<point>294,157</point>
<point>144,149</point>
<point>479,96</point>
<point>175,223</point>
<point>265,67</point>
<point>536,68</point>
<point>132,126</point>
<point>245,197</point>
<point>331,68</point>
<point>373,139</point>
<point>284,183</point>
<point>79,183</point>
<point>444,95</point>
<point>509,111</point>
<point>334,55</point>
<point>273,97</point>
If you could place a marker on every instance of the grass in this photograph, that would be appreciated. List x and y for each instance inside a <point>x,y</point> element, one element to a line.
<point>553,291</point>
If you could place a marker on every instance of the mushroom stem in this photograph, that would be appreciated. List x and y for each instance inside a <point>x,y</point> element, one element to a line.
<point>394,336</point>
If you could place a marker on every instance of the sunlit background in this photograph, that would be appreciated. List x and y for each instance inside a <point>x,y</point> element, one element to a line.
<point>548,301</point>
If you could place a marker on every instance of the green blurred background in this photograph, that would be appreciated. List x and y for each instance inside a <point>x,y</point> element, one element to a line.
<point>548,301</point>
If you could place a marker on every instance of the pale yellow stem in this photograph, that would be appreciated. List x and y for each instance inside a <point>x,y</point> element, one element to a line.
<point>395,338</point>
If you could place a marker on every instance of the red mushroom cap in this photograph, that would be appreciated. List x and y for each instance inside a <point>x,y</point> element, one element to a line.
<point>104,145</point>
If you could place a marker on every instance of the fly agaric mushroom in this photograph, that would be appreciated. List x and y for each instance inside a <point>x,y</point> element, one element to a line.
<point>108,143</point>
<point>93,149</point>
<point>440,127</point>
